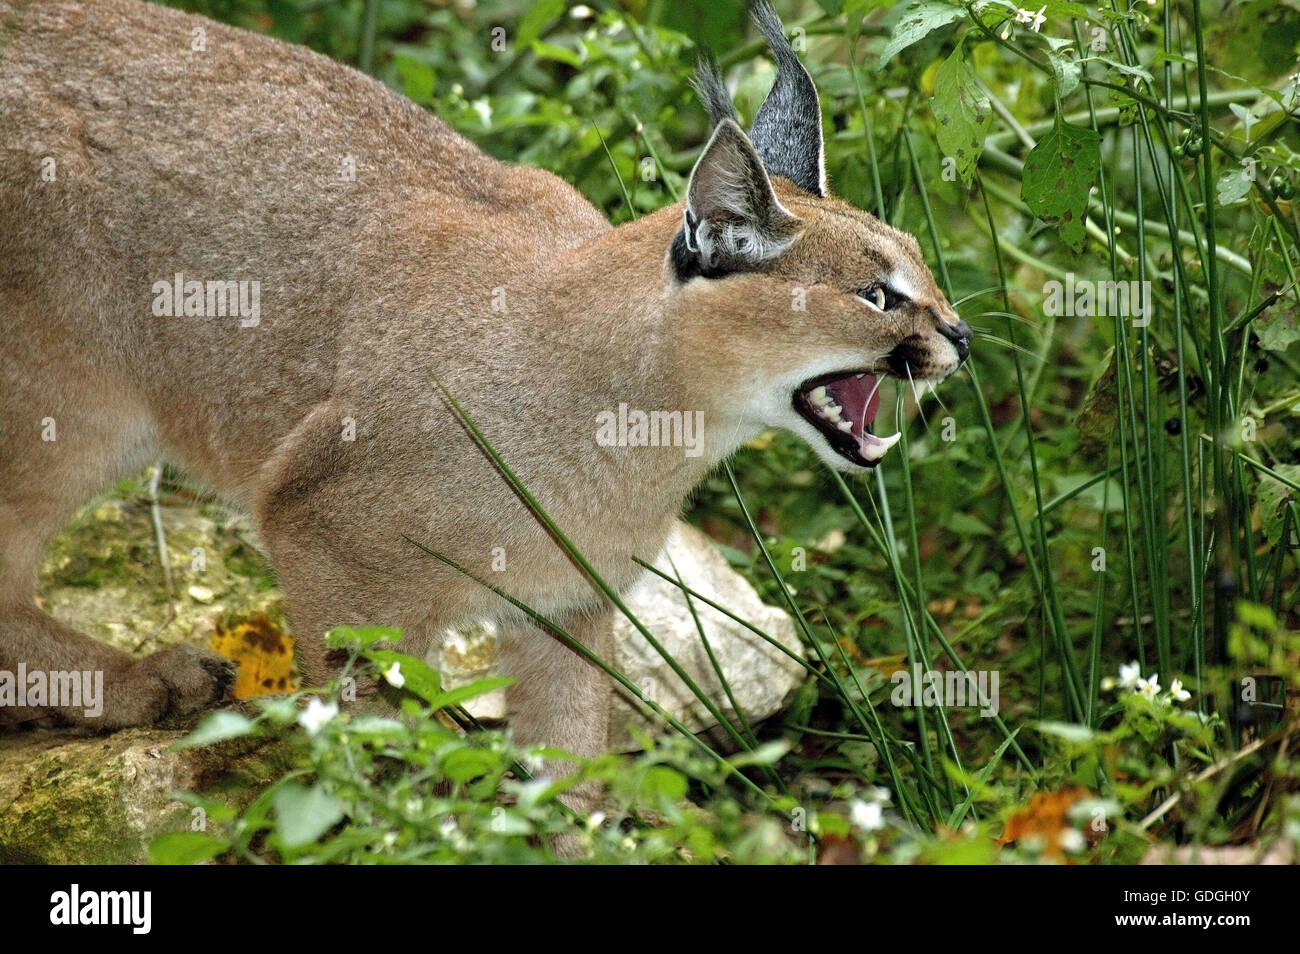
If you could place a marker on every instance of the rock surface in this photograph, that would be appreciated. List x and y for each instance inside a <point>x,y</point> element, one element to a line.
<point>101,799</point>
<point>760,676</point>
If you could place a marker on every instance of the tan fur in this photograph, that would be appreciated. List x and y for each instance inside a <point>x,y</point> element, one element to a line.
<point>225,165</point>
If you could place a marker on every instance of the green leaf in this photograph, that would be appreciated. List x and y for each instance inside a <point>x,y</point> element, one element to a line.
<point>1273,495</point>
<point>304,814</point>
<point>1067,72</point>
<point>968,526</point>
<point>1233,186</point>
<point>769,753</point>
<point>550,51</point>
<point>185,848</point>
<point>1058,174</point>
<point>418,79</point>
<point>919,20</point>
<point>474,689</point>
<point>962,112</point>
<point>1067,731</point>
<point>217,727</point>
<point>465,764</point>
<point>346,637</point>
<point>833,8</point>
<point>421,678</point>
<point>1125,69</point>
<point>537,18</point>
<point>666,782</point>
<point>1277,328</point>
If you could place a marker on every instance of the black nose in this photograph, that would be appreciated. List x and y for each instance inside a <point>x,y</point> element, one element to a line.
<point>959,334</point>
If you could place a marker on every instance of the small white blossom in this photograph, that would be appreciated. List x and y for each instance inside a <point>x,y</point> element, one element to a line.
<point>1177,692</point>
<point>1033,20</point>
<point>532,761</point>
<point>394,675</point>
<point>1071,840</point>
<point>316,715</point>
<point>595,820</point>
<point>1149,686</point>
<point>484,110</point>
<point>866,815</point>
<point>1130,675</point>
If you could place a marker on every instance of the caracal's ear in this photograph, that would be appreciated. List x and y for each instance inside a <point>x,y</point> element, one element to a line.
<point>733,220</point>
<point>787,130</point>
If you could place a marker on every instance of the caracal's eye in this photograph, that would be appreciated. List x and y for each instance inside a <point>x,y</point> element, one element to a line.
<point>879,297</point>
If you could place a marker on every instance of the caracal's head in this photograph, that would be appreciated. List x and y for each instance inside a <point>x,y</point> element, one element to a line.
<point>801,302</point>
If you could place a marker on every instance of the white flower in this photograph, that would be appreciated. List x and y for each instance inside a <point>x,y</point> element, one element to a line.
<point>1033,20</point>
<point>1177,692</point>
<point>484,110</point>
<point>1149,686</point>
<point>533,761</point>
<point>582,11</point>
<point>316,715</point>
<point>1071,840</point>
<point>1006,30</point>
<point>394,675</point>
<point>1130,675</point>
<point>866,815</point>
<point>595,820</point>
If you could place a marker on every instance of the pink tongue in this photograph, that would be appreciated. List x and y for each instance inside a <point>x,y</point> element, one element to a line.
<point>858,398</point>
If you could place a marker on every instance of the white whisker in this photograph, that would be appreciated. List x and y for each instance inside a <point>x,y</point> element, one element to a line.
<point>917,398</point>
<point>862,425</point>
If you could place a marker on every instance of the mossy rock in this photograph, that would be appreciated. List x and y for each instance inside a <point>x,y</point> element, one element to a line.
<point>102,799</point>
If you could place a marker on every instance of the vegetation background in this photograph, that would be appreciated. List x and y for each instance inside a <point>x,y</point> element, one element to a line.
<point>1091,491</point>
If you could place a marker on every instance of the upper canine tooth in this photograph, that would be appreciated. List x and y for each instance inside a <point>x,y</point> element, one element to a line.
<point>819,397</point>
<point>877,447</point>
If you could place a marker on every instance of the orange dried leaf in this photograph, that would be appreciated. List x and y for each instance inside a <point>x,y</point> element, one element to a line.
<point>263,653</point>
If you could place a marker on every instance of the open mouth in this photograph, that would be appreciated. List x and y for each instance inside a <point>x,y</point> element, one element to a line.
<point>842,406</point>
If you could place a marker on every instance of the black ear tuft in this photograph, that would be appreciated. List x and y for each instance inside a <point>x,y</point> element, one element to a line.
<point>787,130</point>
<point>713,91</point>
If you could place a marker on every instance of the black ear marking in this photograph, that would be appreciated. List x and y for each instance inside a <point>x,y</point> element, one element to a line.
<point>787,130</point>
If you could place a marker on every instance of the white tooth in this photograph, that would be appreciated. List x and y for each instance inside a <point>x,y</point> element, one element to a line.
<point>819,397</point>
<point>832,412</point>
<point>845,426</point>
<point>861,376</point>
<point>877,447</point>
